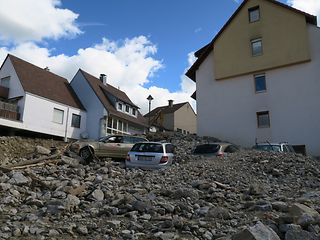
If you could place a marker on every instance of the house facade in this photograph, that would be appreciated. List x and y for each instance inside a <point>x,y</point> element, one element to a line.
<point>36,100</point>
<point>258,79</point>
<point>174,117</point>
<point>109,110</point>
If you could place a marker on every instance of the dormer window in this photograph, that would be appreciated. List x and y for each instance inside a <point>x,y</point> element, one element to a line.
<point>134,112</point>
<point>120,106</point>
<point>254,14</point>
<point>127,108</point>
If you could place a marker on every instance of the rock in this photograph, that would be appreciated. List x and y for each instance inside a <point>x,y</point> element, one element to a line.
<point>19,179</point>
<point>83,230</point>
<point>98,195</point>
<point>280,206</point>
<point>257,232</point>
<point>70,161</point>
<point>299,234</point>
<point>304,215</point>
<point>42,150</point>
<point>185,193</point>
<point>71,203</point>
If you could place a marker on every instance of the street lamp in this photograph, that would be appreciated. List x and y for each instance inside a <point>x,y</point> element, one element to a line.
<point>149,98</point>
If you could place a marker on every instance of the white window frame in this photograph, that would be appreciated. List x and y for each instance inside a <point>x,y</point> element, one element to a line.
<point>255,41</point>
<point>115,126</point>
<point>55,117</point>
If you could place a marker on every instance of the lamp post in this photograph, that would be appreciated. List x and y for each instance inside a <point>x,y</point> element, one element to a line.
<point>149,98</point>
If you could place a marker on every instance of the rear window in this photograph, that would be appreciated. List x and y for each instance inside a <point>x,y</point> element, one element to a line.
<point>147,147</point>
<point>169,148</point>
<point>206,148</point>
<point>273,148</point>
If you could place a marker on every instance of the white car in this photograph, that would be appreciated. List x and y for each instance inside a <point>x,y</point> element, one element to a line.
<point>150,155</point>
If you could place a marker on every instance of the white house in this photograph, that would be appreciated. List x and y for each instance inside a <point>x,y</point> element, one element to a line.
<point>109,110</point>
<point>259,78</point>
<point>36,100</point>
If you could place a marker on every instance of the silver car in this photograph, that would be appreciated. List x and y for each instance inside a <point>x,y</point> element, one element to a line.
<point>150,155</point>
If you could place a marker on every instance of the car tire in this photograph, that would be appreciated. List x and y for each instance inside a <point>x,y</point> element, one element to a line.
<point>86,154</point>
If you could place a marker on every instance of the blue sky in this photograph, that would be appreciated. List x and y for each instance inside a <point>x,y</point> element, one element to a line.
<point>144,46</point>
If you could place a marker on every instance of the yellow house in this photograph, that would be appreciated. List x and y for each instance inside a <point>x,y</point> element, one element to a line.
<point>258,79</point>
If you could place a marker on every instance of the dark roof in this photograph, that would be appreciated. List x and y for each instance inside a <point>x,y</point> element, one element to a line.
<point>43,83</point>
<point>102,92</point>
<point>165,109</point>
<point>203,52</point>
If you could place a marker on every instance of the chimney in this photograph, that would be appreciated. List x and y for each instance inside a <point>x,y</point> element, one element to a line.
<point>170,103</point>
<point>103,78</point>
<point>47,69</point>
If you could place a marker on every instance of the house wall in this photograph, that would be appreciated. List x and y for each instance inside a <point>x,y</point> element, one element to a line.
<point>38,117</point>
<point>15,89</point>
<point>227,109</point>
<point>95,109</point>
<point>277,27</point>
<point>168,121</point>
<point>185,119</point>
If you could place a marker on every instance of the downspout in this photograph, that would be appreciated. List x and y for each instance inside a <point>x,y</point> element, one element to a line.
<point>66,130</point>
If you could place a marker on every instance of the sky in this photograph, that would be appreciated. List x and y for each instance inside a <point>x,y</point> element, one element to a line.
<point>143,46</point>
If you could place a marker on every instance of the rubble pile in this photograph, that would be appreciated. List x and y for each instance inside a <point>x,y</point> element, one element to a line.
<point>245,195</point>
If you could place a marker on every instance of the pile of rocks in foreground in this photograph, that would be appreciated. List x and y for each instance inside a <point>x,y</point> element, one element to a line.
<point>243,196</point>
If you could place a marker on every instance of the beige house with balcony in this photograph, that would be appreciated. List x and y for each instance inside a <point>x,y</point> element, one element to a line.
<point>258,79</point>
<point>174,117</point>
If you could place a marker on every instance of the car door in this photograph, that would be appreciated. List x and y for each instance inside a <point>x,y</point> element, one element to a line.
<point>110,146</point>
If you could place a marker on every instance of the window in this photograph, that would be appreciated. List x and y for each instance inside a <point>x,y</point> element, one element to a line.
<point>58,115</point>
<point>5,82</point>
<point>75,121</point>
<point>120,106</point>
<point>263,119</point>
<point>256,47</point>
<point>254,14</point>
<point>169,148</point>
<point>115,126</point>
<point>127,108</point>
<point>134,112</point>
<point>260,83</point>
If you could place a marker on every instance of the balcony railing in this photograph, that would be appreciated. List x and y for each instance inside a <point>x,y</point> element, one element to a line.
<point>9,111</point>
<point>4,92</point>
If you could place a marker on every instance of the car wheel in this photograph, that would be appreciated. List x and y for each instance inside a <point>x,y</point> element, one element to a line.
<point>86,154</point>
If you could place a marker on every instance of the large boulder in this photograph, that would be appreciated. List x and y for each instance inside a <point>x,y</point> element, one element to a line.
<point>257,232</point>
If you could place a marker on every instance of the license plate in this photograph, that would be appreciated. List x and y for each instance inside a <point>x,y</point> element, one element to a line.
<point>145,158</point>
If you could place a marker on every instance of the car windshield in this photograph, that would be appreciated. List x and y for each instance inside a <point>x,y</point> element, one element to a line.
<point>269,148</point>
<point>147,147</point>
<point>206,148</point>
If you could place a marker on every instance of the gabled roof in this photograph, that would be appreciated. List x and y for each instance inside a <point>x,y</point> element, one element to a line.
<point>203,52</point>
<point>43,83</point>
<point>102,91</point>
<point>165,109</point>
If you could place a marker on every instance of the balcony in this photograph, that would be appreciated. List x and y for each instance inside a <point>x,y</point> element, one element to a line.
<point>4,92</point>
<point>9,111</point>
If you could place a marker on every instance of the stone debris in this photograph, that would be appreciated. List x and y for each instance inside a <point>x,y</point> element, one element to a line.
<point>242,196</point>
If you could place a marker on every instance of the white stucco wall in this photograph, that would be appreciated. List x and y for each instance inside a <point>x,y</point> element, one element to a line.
<point>95,109</point>
<point>227,108</point>
<point>15,88</point>
<point>38,117</point>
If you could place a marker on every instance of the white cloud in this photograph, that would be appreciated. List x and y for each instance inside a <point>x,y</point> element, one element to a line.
<point>309,6</point>
<point>129,64</point>
<point>35,20</point>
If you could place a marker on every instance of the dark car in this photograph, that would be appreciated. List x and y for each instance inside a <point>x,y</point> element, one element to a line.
<point>215,149</point>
